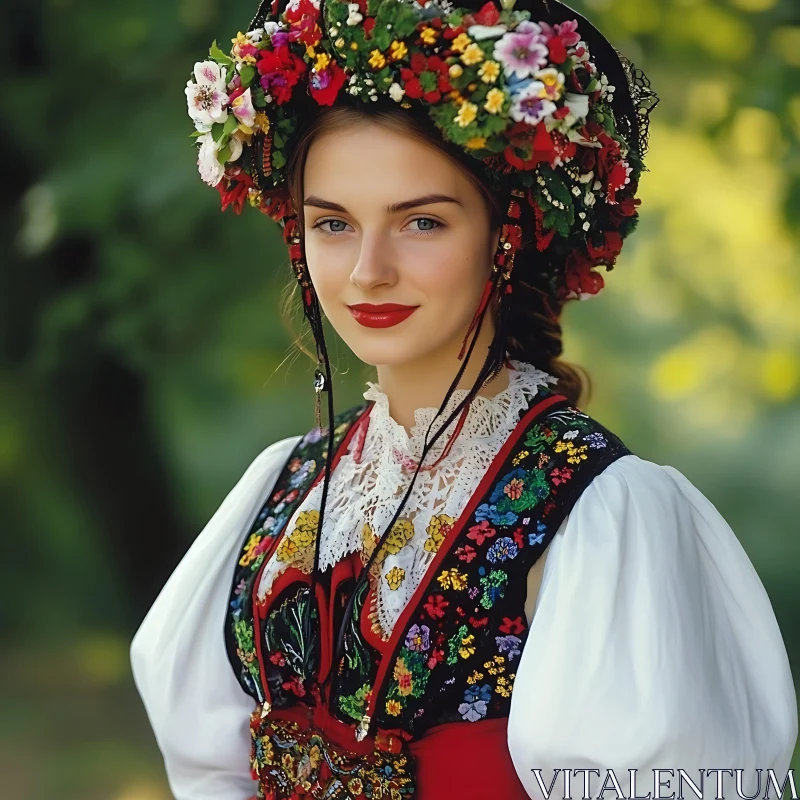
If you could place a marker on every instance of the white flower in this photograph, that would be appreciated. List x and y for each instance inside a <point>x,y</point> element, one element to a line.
<point>569,435</point>
<point>257,36</point>
<point>236,148</point>
<point>396,92</point>
<point>270,26</point>
<point>529,106</point>
<point>208,98</point>
<point>481,32</point>
<point>354,16</point>
<point>211,171</point>
<point>578,105</point>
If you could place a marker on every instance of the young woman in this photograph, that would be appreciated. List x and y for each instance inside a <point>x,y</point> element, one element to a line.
<point>466,586</point>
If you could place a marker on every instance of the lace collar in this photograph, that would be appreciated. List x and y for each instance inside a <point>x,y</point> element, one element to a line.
<point>486,415</point>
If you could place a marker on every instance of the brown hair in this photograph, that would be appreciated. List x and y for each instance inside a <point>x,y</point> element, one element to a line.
<point>534,335</point>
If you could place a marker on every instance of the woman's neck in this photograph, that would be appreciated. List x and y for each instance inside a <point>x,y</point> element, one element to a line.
<point>423,383</point>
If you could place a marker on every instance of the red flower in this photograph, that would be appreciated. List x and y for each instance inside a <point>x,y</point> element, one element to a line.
<point>233,189</point>
<point>580,278</point>
<point>436,605</point>
<point>277,658</point>
<point>368,25</point>
<point>277,204</point>
<point>437,655</point>
<point>515,626</point>
<point>466,553</point>
<point>280,70</point>
<point>609,250</point>
<point>295,686</point>
<point>333,76</point>
<point>561,475</point>
<point>624,208</point>
<point>480,532</point>
<point>558,50</point>
<point>487,15</point>
<point>478,623</point>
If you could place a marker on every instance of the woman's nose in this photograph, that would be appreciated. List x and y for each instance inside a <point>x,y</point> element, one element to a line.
<point>374,267</point>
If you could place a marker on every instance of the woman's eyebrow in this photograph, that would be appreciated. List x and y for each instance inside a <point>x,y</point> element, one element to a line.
<point>428,199</point>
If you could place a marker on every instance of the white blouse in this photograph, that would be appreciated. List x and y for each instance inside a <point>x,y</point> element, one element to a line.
<point>653,644</point>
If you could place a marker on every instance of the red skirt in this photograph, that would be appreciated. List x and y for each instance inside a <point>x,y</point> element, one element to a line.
<point>303,752</point>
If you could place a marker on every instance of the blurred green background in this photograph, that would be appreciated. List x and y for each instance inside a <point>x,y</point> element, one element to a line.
<point>144,363</point>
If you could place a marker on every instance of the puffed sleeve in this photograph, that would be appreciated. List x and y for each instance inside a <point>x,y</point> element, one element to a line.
<point>199,713</point>
<point>653,645</point>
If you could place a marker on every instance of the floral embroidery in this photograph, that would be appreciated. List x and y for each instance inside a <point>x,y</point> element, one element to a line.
<point>395,576</point>
<point>437,530</point>
<point>401,534</point>
<point>250,549</point>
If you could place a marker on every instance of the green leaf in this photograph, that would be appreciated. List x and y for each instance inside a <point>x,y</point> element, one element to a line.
<point>278,140</point>
<point>231,124</point>
<point>224,154</point>
<point>247,74</point>
<point>219,56</point>
<point>217,131</point>
<point>278,161</point>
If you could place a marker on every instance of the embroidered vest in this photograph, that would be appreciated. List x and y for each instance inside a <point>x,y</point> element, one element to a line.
<point>452,654</point>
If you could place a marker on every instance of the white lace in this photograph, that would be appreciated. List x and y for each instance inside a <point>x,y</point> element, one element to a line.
<point>367,491</point>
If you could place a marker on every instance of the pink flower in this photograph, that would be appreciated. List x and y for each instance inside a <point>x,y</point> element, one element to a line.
<point>521,52</point>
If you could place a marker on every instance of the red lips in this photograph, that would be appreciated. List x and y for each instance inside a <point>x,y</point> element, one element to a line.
<point>381,316</point>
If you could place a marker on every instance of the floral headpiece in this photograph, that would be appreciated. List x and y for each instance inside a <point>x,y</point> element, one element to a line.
<point>525,97</point>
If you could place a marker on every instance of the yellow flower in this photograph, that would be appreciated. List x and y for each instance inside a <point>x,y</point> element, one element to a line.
<point>460,43</point>
<point>489,71</point>
<point>494,100</point>
<point>519,458</point>
<point>377,60</point>
<point>249,550</point>
<point>428,35</point>
<point>553,81</point>
<point>287,550</point>
<point>395,576</point>
<point>339,43</point>
<point>310,51</point>
<point>402,531</point>
<point>393,707</point>
<point>437,529</point>
<point>466,114</point>
<point>475,677</point>
<point>353,46</point>
<point>467,648</point>
<point>476,143</point>
<point>323,59</point>
<point>262,122</point>
<point>397,50</point>
<point>455,71</point>
<point>355,786</point>
<point>452,578</point>
<point>368,539</point>
<point>308,521</point>
<point>472,55</point>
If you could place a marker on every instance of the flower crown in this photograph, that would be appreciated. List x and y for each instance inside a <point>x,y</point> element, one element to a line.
<point>523,97</point>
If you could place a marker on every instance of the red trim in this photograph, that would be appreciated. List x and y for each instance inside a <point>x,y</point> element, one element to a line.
<point>477,497</point>
<point>342,570</point>
<point>340,451</point>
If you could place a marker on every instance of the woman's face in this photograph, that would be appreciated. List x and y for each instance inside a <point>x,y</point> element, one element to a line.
<point>397,241</point>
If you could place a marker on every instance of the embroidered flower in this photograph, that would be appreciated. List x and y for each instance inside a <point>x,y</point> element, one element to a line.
<point>395,576</point>
<point>401,534</point>
<point>570,435</point>
<point>250,550</point>
<point>596,440</point>
<point>403,677</point>
<point>504,549</point>
<point>452,578</point>
<point>466,553</point>
<point>467,647</point>
<point>508,644</point>
<point>514,626</point>
<point>438,528</point>
<point>435,606</point>
<point>418,638</point>
<point>489,71</point>
<point>560,476</point>
<point>480,532</point>
<point>475,702</point>
<point>394,708</point>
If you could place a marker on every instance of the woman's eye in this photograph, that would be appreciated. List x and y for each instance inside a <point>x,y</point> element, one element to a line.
<point>427,219</point>
<point>423,229</point>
